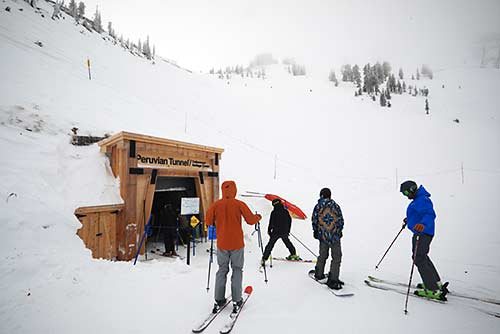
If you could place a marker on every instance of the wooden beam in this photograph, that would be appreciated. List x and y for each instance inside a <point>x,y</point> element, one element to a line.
<point>122,136</point>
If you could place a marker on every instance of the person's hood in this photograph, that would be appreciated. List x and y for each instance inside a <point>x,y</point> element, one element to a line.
<point>228,189</point>
<point>422,192</point>
<point>324,201</point>
<point>279,207</point>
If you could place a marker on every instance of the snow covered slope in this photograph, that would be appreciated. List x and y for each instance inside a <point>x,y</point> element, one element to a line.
<point>321,136</point>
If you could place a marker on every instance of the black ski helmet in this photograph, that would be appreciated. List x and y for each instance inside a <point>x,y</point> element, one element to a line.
<point>325,193</point>
<point>276,201</point>
<point>409,186</point>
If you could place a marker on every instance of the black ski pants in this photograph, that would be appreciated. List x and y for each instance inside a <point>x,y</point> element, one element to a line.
<point>272,241</point>
<point>426,268</point>
<point>169,234</point>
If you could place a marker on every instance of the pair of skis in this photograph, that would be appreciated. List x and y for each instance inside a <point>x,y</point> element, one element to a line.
<point>232,318</point>
<point>399,287</point>
<point>261,267</point>
<point>287,260</point>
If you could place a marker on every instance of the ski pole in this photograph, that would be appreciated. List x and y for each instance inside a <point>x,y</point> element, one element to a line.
<point>257,227</point>
<point>402,228</point>
<point>411,273</point>
<point>146,232</point>
<point>304,245</point>
<point>210,258</point>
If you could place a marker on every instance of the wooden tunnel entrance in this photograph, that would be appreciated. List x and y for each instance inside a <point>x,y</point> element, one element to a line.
<point>152,171</point>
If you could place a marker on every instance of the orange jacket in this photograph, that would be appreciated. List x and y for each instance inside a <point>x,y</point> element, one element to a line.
<point>226,214</point>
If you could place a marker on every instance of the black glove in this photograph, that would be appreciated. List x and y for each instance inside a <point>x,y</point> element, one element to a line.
<point>404,222</point>
<point>316,235</point>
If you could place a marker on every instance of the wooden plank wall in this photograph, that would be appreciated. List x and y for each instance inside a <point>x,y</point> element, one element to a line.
<point>98,232</point>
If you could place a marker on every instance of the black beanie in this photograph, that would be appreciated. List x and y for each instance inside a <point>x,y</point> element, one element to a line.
<point>325,193</point>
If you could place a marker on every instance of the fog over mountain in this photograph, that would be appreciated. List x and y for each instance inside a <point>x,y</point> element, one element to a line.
<point>201,34</point>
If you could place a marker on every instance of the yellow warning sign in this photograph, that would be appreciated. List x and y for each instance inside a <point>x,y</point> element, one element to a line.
<point>194,221</point>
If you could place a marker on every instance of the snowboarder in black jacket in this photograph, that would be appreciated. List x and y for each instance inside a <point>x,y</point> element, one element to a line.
<point>280,223</point>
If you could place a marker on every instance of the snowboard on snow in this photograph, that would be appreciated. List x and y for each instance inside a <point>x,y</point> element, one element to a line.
<point>344,292</point>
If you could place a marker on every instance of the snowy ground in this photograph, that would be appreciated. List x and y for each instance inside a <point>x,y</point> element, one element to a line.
<point>322,136</point>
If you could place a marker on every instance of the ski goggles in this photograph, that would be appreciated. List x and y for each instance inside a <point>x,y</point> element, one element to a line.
<point>406,193</point>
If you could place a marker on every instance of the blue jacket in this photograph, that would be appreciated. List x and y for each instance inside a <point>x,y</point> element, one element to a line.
<point>421,211</point>
<point>327,221</point>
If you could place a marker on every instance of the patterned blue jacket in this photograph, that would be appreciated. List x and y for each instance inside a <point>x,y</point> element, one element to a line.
<point>327,221</point>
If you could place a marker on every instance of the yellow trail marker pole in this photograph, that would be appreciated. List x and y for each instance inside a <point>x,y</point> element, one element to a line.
<point>88,66</point>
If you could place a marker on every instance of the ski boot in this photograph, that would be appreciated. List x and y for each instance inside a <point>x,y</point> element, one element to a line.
<point>443,288</point>
<point>237,306</point>
<point>334,284</point>
<point>293,257</point>
<point>437,294</point>
<point>320,277</point>
<point>217,305</point>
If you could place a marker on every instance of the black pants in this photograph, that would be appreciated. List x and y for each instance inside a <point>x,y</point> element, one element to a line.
<point>426,268</point>
<point>169,238</point>
<point>272,241</point>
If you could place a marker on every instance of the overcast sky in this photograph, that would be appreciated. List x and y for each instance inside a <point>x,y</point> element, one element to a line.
<point>200,34</point>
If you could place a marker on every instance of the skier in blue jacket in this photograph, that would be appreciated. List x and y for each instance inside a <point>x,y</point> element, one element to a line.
<point>420,219</point>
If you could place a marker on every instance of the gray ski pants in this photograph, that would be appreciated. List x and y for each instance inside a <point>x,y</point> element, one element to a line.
<point>426,268</point>
<point>336,251</point>
<point>236,259</point>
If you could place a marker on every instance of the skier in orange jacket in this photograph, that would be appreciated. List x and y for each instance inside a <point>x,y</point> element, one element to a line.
<point>226,214</point>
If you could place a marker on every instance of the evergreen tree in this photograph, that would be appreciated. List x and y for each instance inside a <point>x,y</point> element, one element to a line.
<point>418,74</point>
<point>72,8</point>
<point>413,77</point>
<point>146,49</point>
<point>298,70</point>
<point>387,94</point>
<point>392,83</point>
<point>426,107</point>
<point>401,75</point>
<point>111,32</point>
<point>386,68</point>
<point>81,10</point>
<point>379,73</point>
<point>356,75</point>
<point>97,23</point>
<point>404,87</point>
<point>366,70</point>
<point>383,101</point>
<point>333,78</point>
<point>346,71</point>
<point>57,10</point>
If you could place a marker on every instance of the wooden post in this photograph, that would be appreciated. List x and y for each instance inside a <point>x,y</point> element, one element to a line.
<point>462,173</point>
<point>88,66</point>
<point>397,185</point>
<point>275,163</point>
